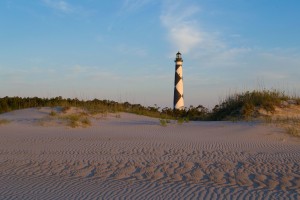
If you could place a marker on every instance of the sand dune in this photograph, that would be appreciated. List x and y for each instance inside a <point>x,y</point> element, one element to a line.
<point>133,157</point>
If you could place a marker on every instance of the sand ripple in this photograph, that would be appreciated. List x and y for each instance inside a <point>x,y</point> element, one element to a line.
<point>135,158</point>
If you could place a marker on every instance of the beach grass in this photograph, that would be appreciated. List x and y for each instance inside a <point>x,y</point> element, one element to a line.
<point>293,131</point>
<point>163,122</point>
<point>86,122</point>
<point>180,121</point>
<point>291,125</point>
<point>244,106</point>
<point>77,120</point>
<point>52,113</point>
<point>4,121</point>
<point>65,109</point>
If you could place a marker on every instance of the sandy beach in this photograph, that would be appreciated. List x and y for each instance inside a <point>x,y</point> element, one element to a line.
<point>134,157</point>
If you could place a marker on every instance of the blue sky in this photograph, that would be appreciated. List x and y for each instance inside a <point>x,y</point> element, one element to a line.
<point>124,50</point>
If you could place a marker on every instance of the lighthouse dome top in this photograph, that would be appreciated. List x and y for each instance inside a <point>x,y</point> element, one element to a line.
<point>178,57</point>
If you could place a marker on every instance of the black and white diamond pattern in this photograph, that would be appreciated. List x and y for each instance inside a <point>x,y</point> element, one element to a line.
<point>178,89</point>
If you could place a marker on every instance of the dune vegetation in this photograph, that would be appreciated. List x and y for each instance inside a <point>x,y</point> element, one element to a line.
<point>4,121</point>
<point>77,119</point>
<point>241,106</point>
<point>270,107</point>
<point>97,106</point>
<point>250,105</point>
<point>247,105</point>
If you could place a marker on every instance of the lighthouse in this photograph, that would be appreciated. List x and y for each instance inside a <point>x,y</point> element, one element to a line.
<point>178,88</point>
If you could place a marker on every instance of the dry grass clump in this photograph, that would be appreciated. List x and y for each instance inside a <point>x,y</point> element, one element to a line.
<point>76,120</point>
<point>65,109</point>
<point>182,120</point>
<point>291,125</point>
<point>42,122</point>
<point>73,124</point>
<point>4,121</point>
<point>66,115</point>
<point>292,131</point>
<point>73,120</point>
<point>96,110</point>
<point>163,122</point>
<point>52,113</point>
<point>86,122</point>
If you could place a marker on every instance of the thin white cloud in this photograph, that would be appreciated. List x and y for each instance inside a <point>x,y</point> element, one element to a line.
<point>64,7</point>
<point>217,61</point>
<point>59,5</point>
<point>183,31</point>
<point>185,34</point>
<point>132,5</point>
<point>127,8</point>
